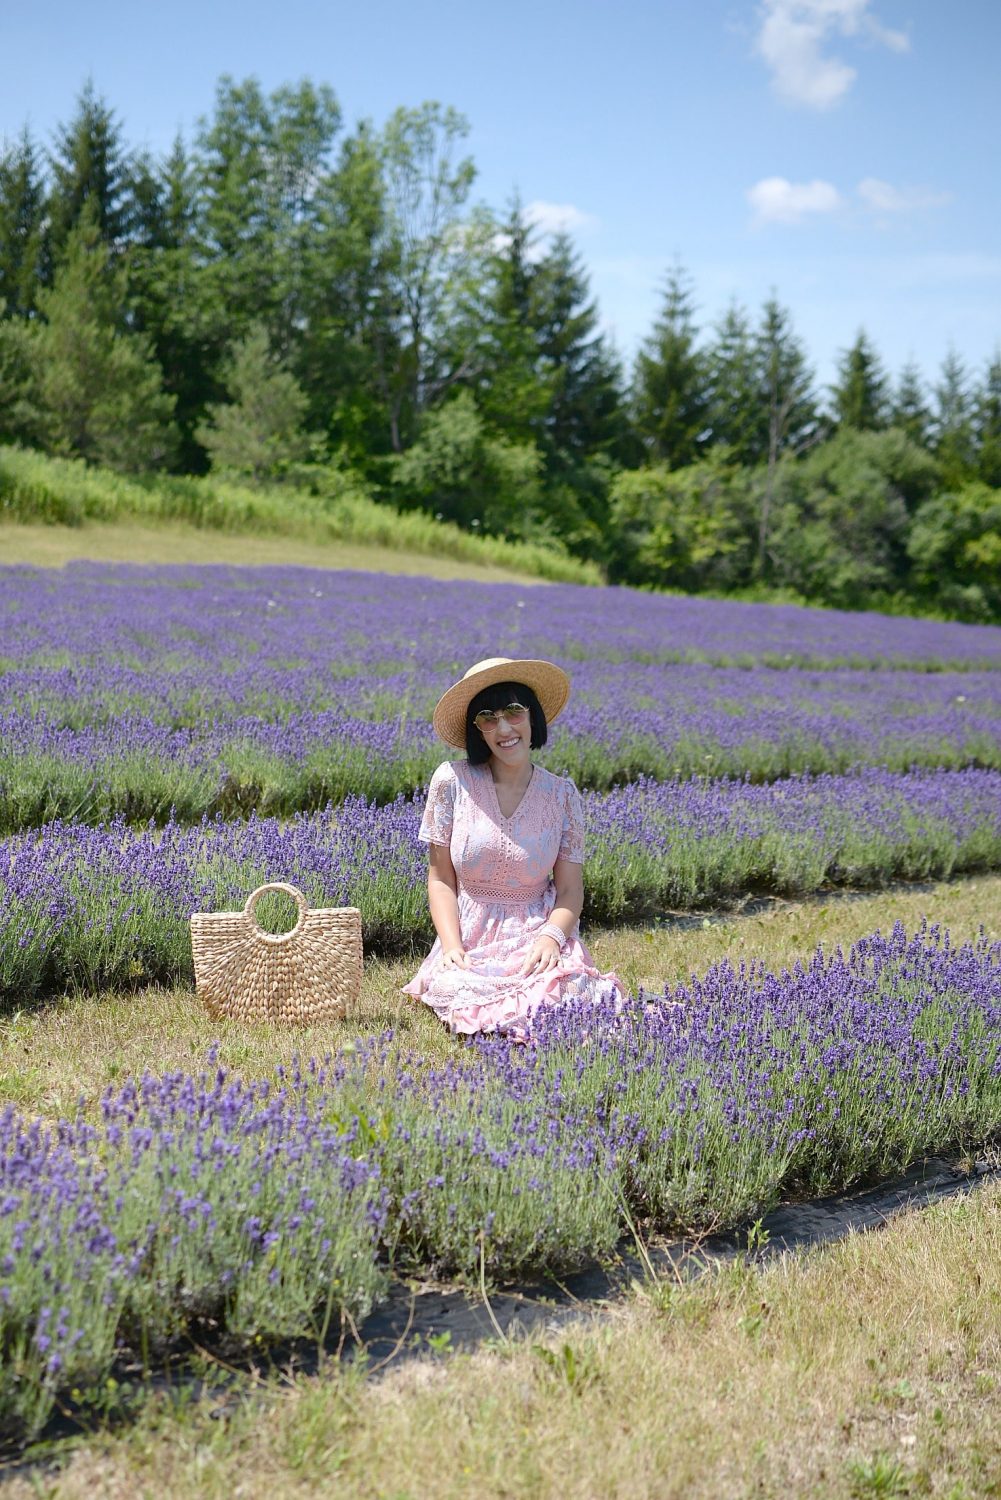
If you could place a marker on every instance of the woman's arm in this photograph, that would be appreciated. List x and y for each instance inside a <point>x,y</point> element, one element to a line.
<point>545,951</point>
<point>444,905</point>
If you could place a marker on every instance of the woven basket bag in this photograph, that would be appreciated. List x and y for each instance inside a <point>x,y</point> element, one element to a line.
<point>312,973</point>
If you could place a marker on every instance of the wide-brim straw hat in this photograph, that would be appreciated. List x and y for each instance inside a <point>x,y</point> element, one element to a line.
<point>549,683</point>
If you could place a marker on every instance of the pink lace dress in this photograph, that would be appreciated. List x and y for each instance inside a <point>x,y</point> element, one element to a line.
<point>505,893</point>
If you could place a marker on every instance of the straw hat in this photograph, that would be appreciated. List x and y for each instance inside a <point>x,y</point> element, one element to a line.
<point>549,683</point>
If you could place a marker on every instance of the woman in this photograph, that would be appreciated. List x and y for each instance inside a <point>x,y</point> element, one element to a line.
<point>507,844</point>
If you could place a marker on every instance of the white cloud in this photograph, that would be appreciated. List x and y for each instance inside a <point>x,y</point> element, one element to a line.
<point>884,198</point>
<point>552,218</point>
<point>793,38</point>
<point>775,200</point>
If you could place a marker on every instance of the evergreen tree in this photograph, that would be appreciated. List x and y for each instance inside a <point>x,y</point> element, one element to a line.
<point>738,415</point>
<point>173,299</point>
<point>672,399</point>
<point>514,392</point>
<point>259,433</point>
<point>90,169</point>
<point>987,424</point>
<point>98,386</point>
<point>585,415</point>
<point>910,411</point>
<point>953,423</point>
<point>859,397</point>
<point>23,242</point>
<point>786,384</point>
<point>19,417</point>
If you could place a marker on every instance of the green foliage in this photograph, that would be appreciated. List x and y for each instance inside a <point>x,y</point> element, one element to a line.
<point>955,549</point>
<point>953,426</point>
<point>90,176</point>
<point>258,434</point>
<point>909,410</point>
<point>19,417</point>
<point>98,387</point>
<point>139,295</point>
<point>463,474</point>
<point>328,503</point>
<point>859,398</point>
<point>672,391</point>
<point>987,424</point>
<point>686,528</point>
<point>841,520</point>
<point>23,240</point>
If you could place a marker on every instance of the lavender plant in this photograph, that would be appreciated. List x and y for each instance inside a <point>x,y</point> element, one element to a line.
<point>257,1207</point>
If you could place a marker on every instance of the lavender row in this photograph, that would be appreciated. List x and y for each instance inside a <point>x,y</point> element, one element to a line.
<point>107,906</point>
<point>92,756</point>
<point>234,621</point>
<point>272,1207</point>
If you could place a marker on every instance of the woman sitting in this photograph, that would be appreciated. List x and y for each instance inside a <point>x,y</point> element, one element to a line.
<point>507,845</point>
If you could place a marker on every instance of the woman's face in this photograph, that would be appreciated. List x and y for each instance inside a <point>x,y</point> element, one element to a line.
<point>508,738</point>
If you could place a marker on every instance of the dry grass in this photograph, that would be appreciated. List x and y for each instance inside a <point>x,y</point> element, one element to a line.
<point>76,1046</point>
<point>869,1368</point>
<point>53,546</point>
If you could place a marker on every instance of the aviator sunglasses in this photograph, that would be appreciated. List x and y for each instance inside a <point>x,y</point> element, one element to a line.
<point>487,718</point>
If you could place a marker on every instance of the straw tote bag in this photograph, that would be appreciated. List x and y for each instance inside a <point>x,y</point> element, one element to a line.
<point>312,973</point>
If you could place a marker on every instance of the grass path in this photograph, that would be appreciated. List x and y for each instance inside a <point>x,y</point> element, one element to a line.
<point>54,546</point>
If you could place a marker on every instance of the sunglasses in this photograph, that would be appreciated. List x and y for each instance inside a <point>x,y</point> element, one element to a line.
<point>488,718</point>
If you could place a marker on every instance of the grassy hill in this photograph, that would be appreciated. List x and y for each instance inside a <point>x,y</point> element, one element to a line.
<point>53,510</point>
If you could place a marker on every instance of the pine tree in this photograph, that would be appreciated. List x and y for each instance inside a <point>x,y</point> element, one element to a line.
<point>23,241</point>
<point>738,417</point>
<point>910,411</point>
<point>174,300</point>
<point>786,384</point>
<point>90,168</point>
<point>585,414</point>
<point>672,393</point>
<point>859,397</point>
<point>953,423</point>
<point>259,432</point>
<point>987,424</point>
<point>513,391</point>
<point>98,386</point>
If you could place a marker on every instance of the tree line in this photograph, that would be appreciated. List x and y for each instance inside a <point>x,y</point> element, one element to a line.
<point>282,295</point>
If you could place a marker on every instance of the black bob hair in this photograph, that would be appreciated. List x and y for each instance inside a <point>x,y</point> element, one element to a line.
<point>499,696</point>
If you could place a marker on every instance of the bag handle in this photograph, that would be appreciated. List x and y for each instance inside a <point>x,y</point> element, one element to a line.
<point>250,911</point>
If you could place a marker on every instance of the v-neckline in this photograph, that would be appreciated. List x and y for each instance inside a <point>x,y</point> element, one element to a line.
<point>521,800</point>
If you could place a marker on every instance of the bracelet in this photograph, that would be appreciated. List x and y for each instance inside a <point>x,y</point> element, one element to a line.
<point>557,934</point>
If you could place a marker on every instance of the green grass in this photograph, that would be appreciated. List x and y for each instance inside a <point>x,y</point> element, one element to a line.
<point>67,493</point>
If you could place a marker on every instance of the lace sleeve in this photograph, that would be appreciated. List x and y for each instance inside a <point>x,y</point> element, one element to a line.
<point>436,824</point>
<point>572,841</point>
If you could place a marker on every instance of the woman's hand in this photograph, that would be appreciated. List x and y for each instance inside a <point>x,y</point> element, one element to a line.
<point>454,958</point>
<point>544,954</point>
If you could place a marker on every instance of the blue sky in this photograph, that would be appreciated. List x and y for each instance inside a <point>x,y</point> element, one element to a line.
<point>842,153</point>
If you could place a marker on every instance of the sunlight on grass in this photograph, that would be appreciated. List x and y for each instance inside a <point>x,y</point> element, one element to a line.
<point>54,546</point>
<point>819,1376</point>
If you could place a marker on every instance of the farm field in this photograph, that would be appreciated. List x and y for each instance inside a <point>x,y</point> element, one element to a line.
<point>173,737</point>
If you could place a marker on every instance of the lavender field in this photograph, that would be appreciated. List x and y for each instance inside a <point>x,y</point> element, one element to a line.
<point>172,737</point>
<point>269,1208</point>
<point>142,692</point>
